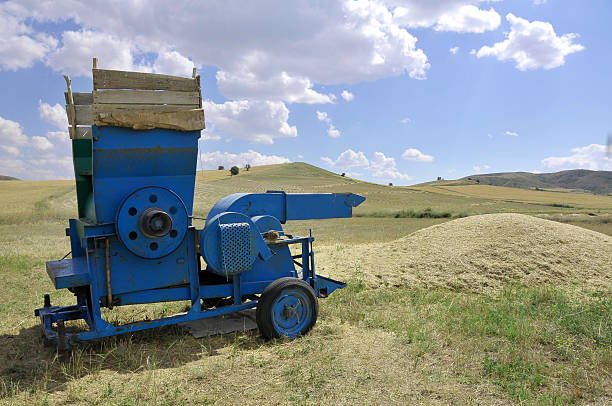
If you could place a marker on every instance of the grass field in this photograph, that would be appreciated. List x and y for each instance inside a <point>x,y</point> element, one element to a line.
<point>403,344</point>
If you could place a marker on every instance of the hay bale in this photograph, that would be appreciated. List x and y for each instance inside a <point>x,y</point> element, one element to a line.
<point>480,253</point>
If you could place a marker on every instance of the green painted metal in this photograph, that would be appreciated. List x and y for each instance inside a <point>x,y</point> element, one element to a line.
<point>83,173</point>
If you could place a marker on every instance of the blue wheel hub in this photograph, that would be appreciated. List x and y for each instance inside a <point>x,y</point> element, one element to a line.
<point>291,312</point>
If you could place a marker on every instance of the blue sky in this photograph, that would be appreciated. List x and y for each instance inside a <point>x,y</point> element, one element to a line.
<point>395,91</point>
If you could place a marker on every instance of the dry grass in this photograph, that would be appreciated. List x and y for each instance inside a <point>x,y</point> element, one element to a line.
<point>579,200</point>
<point>413,342</point>
<point>480,253</point>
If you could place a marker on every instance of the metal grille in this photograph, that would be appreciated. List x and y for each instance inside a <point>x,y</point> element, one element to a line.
<point>235,247</point>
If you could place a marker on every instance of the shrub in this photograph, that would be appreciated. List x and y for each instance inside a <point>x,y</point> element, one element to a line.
<point>235,170</point>
<point>220,168</point>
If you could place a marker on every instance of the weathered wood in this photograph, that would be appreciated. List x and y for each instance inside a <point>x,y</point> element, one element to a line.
<point>80,98</point>
<point>181,120</point>
<point>82,132</point>
<point>153,108</point>
<point>145,97</point>
<point>115,79</point>
<point>70,107</point>
<point>81,113</point>
<point>95,63</point>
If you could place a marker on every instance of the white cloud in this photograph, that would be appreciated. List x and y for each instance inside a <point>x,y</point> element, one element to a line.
<point>78,48</point>
<point>11,134</point>
<point>480,168</point>
<point>383,167</point>
<point>469,19</point>
<point>472,52</point>
<point>55,115</point>
<point>593,156</point>
<point>332,131</point>
<point>20,47</point>
<point>280,86</point>
<point>347,159</point>
<point>532,45</point>
<point>454,50</point>
<point>348,96</point>
<point>212,160</point>
<point>261,55</point>
<point>173,63</point>
<point>511,133</point>
<point>539,2</point>
<point>34,157</point>
<point>41,143</point>
<point>406,120</point>
<point>445,15</point>
<point>254,121</point>
<point>413,154</point>
<point>380,166</point>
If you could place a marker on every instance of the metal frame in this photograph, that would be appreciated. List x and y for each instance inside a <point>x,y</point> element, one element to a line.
<point>88,307</point>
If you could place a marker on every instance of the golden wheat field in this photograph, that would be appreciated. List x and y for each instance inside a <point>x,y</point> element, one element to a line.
<point>468,298</point>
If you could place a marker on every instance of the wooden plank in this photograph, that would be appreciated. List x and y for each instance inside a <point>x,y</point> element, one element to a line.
<point>181,120</point>
<point>82,114</point>
<point>116,79</point>
<point>157,108</point>
<point>82,132</point>
<point>145,97</point>
<point>70,107</point>
<point>80,98</point>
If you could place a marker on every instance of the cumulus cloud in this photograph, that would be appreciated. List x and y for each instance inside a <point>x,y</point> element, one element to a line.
<point>173,63</point>
<point>413,154</point>
<point>532,45</point>
<point>55,115</point>
<point>480,168</point>
<point>445,15</point>
<point>11,134</point>
<point>274,86</point>
<point>78,48</point>
<point>253,121</point>
<point>384,167</point>
<point>20,46</point>
<point>512,133</point>
<point>332,131</point>
<point>454,50</point>
<point>348,159</point>
<point>212,160</point>
<point>262,55</point>
<point>37,157</point>
<point>593,156</point>
<point>406,120</point>
<point>348,96</point>
<point>469,19</point>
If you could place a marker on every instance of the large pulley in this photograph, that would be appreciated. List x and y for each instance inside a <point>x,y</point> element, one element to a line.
<point>152,222</point>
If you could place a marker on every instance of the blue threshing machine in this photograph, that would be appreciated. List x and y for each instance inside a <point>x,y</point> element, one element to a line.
<point>135,145</point>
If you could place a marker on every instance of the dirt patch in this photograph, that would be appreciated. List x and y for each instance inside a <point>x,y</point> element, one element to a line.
<point>479,253</point>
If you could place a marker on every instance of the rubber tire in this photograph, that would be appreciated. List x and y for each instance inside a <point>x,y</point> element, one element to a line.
<point>264,306</point>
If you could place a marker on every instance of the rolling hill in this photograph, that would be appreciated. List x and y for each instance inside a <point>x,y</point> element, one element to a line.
<point>3,177</point>
<point>599,182</point>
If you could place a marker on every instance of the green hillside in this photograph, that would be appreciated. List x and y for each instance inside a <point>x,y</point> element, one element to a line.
<point>579,179</point>
<point>4,177</point>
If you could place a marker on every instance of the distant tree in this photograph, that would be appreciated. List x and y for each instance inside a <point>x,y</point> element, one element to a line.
<point>235,170</point>
<point>247,167</point>
<point>390,184</point>
<point>343,174</point>
<point>477,180</point>
<point>439,177</point>
<point>220,168</point>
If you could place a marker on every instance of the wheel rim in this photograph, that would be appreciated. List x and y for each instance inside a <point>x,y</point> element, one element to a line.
<point>291,312</point>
